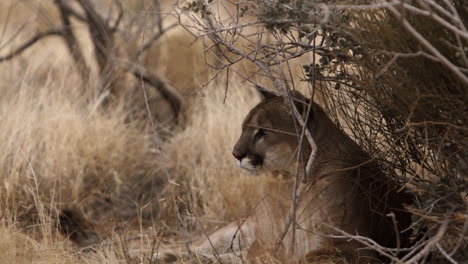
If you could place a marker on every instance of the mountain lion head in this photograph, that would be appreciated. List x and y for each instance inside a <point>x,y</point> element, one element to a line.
<point>269,138</point>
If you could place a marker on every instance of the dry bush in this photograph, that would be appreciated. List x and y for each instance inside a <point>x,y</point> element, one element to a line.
<point>411,112</point>
<point>392,74</point>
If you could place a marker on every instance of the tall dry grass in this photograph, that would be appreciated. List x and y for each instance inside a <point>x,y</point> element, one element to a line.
<point>61,150</point>
<point>58,148</point>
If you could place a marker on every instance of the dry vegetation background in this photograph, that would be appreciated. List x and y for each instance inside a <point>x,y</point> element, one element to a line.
<point>65,144</point>
<point>61,150</point>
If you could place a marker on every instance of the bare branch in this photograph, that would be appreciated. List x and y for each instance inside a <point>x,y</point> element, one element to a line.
<point>363,240</point>
<point>445,254</point>
<point>437,18</point>
<point>101,35</point>
<point>430,245</point>
<point>429,46</point>
<point>404,55</point>
<point>40,35</point>
<point>157,13</point>
<point>71,40</point>
<point>463,232</point>
<point>167,91</point>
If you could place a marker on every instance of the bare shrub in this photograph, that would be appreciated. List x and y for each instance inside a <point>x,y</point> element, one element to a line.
<point>393,75</point>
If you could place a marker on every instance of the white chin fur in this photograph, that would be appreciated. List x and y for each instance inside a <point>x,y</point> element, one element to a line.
<point>246,164</point>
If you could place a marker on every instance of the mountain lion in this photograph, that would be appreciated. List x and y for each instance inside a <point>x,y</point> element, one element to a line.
<point>344,192</point>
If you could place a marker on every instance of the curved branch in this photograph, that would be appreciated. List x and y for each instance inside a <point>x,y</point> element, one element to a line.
<point>167,91</point>
<point>32,41</point>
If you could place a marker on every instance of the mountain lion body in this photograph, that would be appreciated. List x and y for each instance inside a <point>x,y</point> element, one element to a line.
<point>345,191</point>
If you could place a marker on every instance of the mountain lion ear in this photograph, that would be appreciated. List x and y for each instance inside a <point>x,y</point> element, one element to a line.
<point>302,104</point>
<point>264,93</point>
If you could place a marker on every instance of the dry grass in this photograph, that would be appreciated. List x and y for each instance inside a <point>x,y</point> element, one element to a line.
<point>59,150</point>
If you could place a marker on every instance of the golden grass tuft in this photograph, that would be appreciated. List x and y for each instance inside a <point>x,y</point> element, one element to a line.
<point>58,148</point>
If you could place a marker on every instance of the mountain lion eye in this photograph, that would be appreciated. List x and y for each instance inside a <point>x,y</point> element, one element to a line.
<point>260,133</point>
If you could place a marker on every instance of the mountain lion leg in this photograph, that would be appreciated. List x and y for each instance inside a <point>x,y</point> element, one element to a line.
<point>228,243</point>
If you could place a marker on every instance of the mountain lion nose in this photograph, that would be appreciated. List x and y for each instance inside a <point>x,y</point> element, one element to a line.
<point>238,155</point>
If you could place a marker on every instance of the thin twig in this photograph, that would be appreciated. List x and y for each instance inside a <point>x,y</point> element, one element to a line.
<point>430,245</point>
<point>445,254</point>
